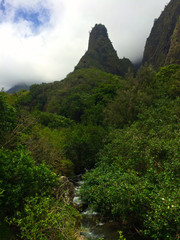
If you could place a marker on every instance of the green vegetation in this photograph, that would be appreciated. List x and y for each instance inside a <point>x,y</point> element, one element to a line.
<point>163,44</point>
<point>120,130</point>
<point>123,133</point>
<point>7,118</point>
<point>28,206</point>
<point>136,179</point>
<point>21,178</point>
<point>46,218</point>
<point>174,50</point>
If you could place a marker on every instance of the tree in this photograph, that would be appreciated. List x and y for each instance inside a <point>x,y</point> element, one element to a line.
<point>7,118</point>
<point>21,178</point>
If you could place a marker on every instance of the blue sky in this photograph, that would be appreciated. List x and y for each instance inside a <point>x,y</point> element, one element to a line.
<point>2,5</point>
<point>43,40</point>
<point>37,16</point>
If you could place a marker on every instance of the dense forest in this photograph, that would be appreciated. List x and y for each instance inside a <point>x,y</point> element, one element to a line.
<point>117,127</point>
<point>123,133</point>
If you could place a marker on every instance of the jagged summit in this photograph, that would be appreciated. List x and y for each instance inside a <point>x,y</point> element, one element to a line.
<point>102,55</point>
<point>163,44</point>
<point>98,33</point>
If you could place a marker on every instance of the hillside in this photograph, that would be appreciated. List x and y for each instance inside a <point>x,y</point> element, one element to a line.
<point>173,55</point>
<point>163,44</point>
<point>117,131</point>
<point>18,87</point>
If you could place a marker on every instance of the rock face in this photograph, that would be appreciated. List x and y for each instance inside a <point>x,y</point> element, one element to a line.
<point>163,44</point>
<point>65,190</point>
<point>174,50</point>
<point>101,54</point>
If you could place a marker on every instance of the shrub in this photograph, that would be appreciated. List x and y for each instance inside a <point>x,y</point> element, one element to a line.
<point>45,218</point>
<point>21,178</point>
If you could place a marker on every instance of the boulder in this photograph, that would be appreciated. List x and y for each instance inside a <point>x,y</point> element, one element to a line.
<point>65,190</point>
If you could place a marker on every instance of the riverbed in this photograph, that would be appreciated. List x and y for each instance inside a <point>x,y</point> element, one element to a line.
<point>93,226</point>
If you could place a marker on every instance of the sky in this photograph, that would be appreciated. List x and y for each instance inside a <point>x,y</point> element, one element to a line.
<point>43,40</point>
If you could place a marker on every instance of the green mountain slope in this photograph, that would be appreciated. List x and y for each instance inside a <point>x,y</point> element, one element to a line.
<point>174,50</point>
<point>79,96</point>
<point>18,87</point>
<point>163,44</point>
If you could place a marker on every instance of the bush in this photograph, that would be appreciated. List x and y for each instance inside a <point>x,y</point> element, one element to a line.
<point>116,194</point>
<point>53,120</point>
<point>82,143</point>
<point>47,146</point>
<point>21,178</point>
<point>46,218</point>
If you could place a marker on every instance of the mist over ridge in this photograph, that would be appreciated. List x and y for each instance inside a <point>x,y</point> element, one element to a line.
<point>43,41</point>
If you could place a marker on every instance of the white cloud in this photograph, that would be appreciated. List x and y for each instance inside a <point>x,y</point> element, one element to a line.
<point>52,52</point>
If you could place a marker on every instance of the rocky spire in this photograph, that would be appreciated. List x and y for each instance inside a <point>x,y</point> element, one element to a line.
<point>101,54</point>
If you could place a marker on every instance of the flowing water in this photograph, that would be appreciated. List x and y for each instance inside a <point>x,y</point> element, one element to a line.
<point>93,227</point>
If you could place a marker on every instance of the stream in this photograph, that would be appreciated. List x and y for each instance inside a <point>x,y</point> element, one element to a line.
<point>93,227</point>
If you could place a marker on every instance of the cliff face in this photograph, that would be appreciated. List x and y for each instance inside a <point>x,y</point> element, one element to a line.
<point>101,54</point>
<point>162,46</point>
<point>174,50</point>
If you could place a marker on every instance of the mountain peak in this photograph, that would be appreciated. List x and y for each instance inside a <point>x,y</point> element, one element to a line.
<point>18,87</point>
<point>102,55</point>
<point>99,31</point>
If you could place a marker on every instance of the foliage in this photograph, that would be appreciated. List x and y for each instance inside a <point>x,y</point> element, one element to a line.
<point>27,201</point>
<point>21,178</point>
<point>75,98</point>
<point>112,192</point>
<point>136,180</point>
<point>1,191</point>
<point>126,129</point>
<point>162,218</point>
<point>46,218</point>
<point>131,100</point>
<point>67,150</point>
<point>82,143</point>
<point>121,237</point>
<point>47,146</point>
<point>52,120</point>
<point>7,118</point>
<point>148,141</point>
<point>167,82</point>
<point>5,232</point>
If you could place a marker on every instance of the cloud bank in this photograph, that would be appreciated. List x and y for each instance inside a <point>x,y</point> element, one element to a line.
<point>42,41</point>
